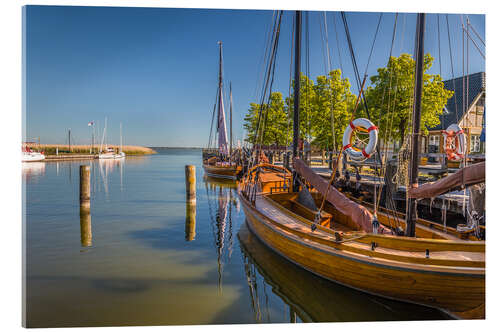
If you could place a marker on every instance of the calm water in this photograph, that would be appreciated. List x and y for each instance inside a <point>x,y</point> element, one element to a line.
<point>143,258</point>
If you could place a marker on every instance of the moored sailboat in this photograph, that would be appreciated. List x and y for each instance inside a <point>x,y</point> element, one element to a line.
<point>344,242</point>
<point>221,162</point>
<point>108,152</point>
<point>29,155</point>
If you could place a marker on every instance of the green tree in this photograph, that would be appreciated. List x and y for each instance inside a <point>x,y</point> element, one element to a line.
<point>273,121</point>
<point>307,98</point>
<point>332,94</point>
<point>390,97</point>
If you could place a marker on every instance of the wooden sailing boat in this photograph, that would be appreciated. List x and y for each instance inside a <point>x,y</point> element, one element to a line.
<point>219,163</point>
<point>312,298</point>
<point>345,244</point>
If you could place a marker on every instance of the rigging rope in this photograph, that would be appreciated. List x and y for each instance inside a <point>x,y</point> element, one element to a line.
<point>356,72</point>
<point>338,47</point>
<point>475,32</point>
<point>332,119</point>
<point>307,99</point>
<point>452,71</point>
<point>267,86</point>
<point>377,198</point>
<point>212,123</point>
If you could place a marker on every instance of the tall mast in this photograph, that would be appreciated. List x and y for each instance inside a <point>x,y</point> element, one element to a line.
<point>296,98</point>
<point>69,139</point>
<point>230,122</point>
<point>121,141</point>
<point>92,146</point>
<point>103,134</point>
<point>221,117</point>
<point>411,208</point>
<point>220,86</point>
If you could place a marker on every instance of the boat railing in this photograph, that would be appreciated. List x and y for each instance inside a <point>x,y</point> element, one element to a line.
<point>280,187</point>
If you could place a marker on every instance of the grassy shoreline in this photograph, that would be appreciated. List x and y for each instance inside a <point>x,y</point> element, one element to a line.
<point>50,149</point>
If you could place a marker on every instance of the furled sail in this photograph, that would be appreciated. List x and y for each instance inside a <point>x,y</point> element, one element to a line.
<point>356,212</point>
<point>470,175</point>
<point>221,126</point>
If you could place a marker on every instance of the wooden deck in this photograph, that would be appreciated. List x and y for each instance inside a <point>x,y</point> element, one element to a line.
<point>451,277</point>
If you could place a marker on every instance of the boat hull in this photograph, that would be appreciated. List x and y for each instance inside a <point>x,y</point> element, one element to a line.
<point>112,156</point>
<point>460,294</point>
<point>32,157</point>
<point>227,172</point>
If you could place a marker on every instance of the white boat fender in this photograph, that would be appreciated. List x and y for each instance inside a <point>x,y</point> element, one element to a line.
<point>375,225</point>
<point>364,125</point>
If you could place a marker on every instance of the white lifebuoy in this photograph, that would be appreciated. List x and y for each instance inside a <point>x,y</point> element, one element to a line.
<point>455,142</point>
<point>364,125</point>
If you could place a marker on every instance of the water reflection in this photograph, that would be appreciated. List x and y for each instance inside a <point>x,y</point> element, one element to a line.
<point>32,170</point>
<point>190,221</point>
<point>310,298</point>
<point>221,198</point>
<point>85,227</point>
<point>106,167</point>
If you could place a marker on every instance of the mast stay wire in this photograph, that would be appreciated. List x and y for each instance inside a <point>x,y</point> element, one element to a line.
<point>269,80</point>
<point>270,67</point>
<point>263,58</point>
<point>338,47</point>
<point>452,70</point>
<point>212,123</point>
<point>356,72</point>
<point>384,146</point>
<point>474,30</point>
<point>470,37</point>
<point>308,100</point>
<point>332,118</point>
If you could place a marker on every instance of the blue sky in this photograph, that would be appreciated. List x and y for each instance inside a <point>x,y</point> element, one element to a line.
<point>155,69</point>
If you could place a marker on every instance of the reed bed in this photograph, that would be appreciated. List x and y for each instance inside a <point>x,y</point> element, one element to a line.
<point>50,149</point>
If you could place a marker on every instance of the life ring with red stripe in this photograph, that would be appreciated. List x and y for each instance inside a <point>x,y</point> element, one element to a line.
<point>455,142</point>
<point>363,125</point>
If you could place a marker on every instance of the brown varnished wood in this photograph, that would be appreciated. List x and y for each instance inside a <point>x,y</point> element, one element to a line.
<point>229,171</point>
<point>451,278</point>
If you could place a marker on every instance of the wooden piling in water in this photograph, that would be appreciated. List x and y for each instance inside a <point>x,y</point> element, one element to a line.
<point>85,187</point>
<point>190,231</point>
<point>190,183</point>
<point>85,218</point>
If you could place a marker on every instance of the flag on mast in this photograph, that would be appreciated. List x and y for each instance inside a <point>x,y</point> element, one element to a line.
<point>91,123</point>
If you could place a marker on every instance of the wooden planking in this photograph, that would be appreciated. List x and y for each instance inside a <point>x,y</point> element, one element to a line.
<point>222,171</point>
<point>433,289</point>
<point>388,241</point>
<point>325,237</point>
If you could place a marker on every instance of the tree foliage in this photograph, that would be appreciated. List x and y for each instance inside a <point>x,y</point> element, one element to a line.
<point>332,98</point>
<point>316,102</point>
<point>273,120</point>
<point>390,97</point>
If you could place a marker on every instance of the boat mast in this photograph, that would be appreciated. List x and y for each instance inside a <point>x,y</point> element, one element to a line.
<point>411,208</point>
<point>121,141</point>
<point>103,134</point>
<point>92,146</point>
<point>230,122</point>
<point>220,89</point>
<point>296,98</point>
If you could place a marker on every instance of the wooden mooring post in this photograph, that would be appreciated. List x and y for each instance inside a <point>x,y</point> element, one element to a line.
<point>85,186</point>
<point>190,183</point>
<point>85,217</point>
